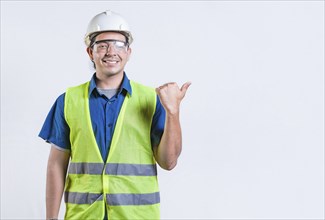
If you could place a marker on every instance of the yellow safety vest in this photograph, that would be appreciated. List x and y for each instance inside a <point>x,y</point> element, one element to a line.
<point>126,185</point>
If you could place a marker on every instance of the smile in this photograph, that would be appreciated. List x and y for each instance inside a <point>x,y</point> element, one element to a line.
<point>110,61</point>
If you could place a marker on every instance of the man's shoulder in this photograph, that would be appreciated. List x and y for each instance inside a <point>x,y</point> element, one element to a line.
<point>140,86</point>
<point>85,84</point>
<point>81,88</point>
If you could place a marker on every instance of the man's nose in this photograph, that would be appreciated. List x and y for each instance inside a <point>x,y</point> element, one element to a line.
<point>111,49</point>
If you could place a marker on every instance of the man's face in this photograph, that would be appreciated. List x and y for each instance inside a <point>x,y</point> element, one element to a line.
<point>109,54</point>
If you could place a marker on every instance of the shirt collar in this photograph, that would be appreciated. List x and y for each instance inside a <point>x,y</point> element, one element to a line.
<point>125,85</point>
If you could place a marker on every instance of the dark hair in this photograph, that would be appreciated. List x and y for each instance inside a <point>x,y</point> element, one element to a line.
<point>92,38</point>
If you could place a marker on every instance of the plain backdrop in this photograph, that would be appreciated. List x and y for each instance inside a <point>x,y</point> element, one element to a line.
<point>252,121</point>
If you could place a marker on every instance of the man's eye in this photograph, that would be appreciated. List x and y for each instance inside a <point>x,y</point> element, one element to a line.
<point>102,46</point>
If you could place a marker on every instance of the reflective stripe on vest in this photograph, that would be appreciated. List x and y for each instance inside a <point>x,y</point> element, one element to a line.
<point>86,168</point>
<point>133,199</point>
<point>82,198</point>
<point>114,169</point>
<point>113,199</point>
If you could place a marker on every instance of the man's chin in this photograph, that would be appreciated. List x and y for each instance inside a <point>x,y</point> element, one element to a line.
<point>112,73</point>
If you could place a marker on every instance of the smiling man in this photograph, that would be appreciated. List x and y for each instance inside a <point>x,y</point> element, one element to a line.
<point>108,134</point>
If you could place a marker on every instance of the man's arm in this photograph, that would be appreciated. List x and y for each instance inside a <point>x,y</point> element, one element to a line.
<point>170,147</point>
<point>56,172</point>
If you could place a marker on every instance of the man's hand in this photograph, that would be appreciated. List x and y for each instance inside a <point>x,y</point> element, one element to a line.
<point>171,96</point>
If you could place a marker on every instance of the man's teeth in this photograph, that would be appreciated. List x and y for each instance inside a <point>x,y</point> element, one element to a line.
<point>110,61</point>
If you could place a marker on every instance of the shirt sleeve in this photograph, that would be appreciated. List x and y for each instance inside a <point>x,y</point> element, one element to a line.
<point>158,124</point>
<point>55,129</point>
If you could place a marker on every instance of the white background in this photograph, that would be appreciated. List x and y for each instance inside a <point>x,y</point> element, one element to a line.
<point>253,119</point>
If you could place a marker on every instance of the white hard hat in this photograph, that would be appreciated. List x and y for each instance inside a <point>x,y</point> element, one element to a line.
<point>108,21</point>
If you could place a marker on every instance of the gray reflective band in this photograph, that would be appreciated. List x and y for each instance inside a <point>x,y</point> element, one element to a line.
<point>86,168</point>
<point>112,199</point>
<point>114,169</point>
<point>133,199</point>
<point>82,198</point>
<point>131,169</point>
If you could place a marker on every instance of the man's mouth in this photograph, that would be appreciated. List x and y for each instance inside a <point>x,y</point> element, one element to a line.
<point>110,61</point>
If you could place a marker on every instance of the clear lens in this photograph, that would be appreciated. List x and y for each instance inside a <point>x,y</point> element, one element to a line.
<point>104,45</point>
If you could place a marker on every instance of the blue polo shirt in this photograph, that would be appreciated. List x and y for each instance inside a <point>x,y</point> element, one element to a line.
<point>103,112</point>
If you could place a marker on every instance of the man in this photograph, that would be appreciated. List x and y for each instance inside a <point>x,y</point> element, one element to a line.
<point>113,131</point>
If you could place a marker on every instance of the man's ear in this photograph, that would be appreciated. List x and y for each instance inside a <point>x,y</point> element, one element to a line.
<point>129,53</point>
<point>90,53</point>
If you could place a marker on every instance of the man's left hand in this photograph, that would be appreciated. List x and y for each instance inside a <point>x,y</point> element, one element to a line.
<point>171,96</point>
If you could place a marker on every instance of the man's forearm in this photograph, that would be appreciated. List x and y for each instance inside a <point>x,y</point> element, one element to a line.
<point>170,146</point>
<point>54,191</point>
<point>56,173</point>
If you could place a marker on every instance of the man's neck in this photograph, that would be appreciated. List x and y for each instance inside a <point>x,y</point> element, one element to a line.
<point>109,82</point>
